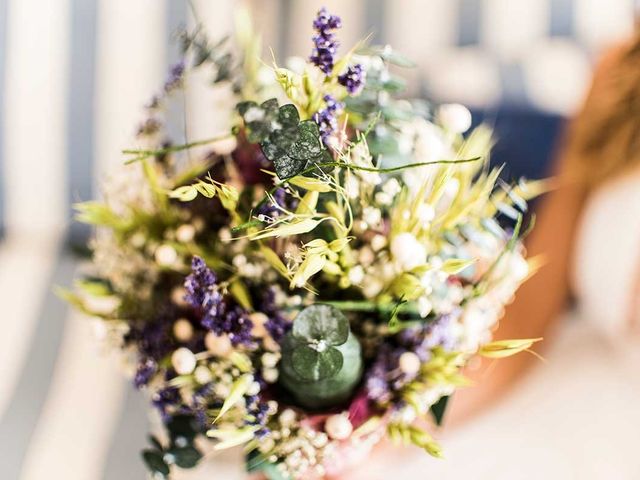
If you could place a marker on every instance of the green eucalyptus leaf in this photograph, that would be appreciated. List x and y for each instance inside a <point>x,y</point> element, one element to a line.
<point>154,461</point>
<point>182,426</point>
<point>314,365</point>
<point>243,107</point>
<point>287,167</point>
<point>155,442</point>
<point>321,323</point>
<point>288,115</point>
<point>186,457</point>
<point>307,145</point>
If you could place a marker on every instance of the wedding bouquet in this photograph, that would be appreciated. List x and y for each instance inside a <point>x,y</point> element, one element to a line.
<point>316,277</point>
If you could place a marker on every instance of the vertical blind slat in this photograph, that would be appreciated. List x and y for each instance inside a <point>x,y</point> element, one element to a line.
<point>208,108</point>
<point>130,69</point>
<point>509,29</point>
<point>36,96</point>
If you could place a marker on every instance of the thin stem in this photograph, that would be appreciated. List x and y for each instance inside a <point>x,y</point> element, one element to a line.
<point>385,170</point>
<point>142,154</point>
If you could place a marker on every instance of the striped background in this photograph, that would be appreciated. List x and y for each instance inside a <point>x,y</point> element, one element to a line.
<point>73,77</point>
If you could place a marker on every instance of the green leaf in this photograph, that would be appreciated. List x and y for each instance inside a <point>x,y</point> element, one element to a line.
<point>186,457</point>
<point>238,389</point>
<point>313,365</point>
<point>307,145</point>
<point>232,437</point>
<point>288,115</point>
<point>182,426</point>
<point>506,348</point>
<point>438,410</point>
<point>321,322</point>
<point>155,462</point>
<point>453,266</point>
<point>95,287</point>
<point>287,167</point>
<point>155,442</point>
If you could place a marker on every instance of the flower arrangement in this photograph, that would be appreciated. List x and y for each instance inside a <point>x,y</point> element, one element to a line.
<point>314,279</point>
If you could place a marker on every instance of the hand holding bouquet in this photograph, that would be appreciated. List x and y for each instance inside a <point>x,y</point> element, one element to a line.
<point>315,278</point>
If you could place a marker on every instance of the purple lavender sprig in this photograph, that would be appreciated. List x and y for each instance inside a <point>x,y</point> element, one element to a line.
<point>327,118</point>
<point>325,42</point>
<point>217,315</point>
<point>353,78</point>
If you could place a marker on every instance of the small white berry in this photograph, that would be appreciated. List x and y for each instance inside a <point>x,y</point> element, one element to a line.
<point>259,320</point>
<point>177,296</point>
<point>183,330</point>
<point>269,359</point>
<point>202,375</point>
<point>338,426</point>
<point>253,389</point>
<point>185,233</point>
<point>166,255</point>
<point>270,375</point>
<point>409,363</point>
<point>218,345</point>
<point>287,417</point>
<point>454,117</point>
<point>183,361</point>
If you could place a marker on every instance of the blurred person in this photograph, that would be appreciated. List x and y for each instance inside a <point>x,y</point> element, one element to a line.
<point>577,414</point>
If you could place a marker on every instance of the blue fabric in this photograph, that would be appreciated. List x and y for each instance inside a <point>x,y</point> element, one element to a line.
<point>526,140</point>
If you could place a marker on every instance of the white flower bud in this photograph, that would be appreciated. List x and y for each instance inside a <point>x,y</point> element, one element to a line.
<point>202,375</point>
<point>259,320</point>
<point>409,363</point>
<point>183,330</point>
<point>270,375</point>
<point>185,233</point>
<point>454,117</point>
<point>338,426</point>
<point>287,417</point>
<point>183,361</point>
<point>166,255</point>
<point>253,389</point>
<point>408,251</point>
<point>218,345</point>
<point>177,296</point>
<point>269,359</point>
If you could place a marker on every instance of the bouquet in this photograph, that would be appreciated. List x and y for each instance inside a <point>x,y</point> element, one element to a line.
<point>315,278</point>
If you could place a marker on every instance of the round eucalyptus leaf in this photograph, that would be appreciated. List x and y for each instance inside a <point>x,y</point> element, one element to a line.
<point>313,365</point>
<point>186,457</point>
<point>287,167</point>
<point>307,145</point>
<point>288,115</point>
<point>154,461</point>
<point>321,323</point>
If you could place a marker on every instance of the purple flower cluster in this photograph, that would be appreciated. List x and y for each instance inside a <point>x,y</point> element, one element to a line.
<point>422,340</point>
<point>176,75</point>
<point>217,315</point>
<point>277,324</point>
<point>327,118</point>
<point>146,369</point>
<point>270,208</point>
<point>384,377</point>
<point>353,78</point>
<point>164,400</point>
<point>325,43</point>
<point>258,414</point>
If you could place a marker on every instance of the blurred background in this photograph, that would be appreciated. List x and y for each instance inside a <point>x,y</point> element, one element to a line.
<point>74,76</point>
